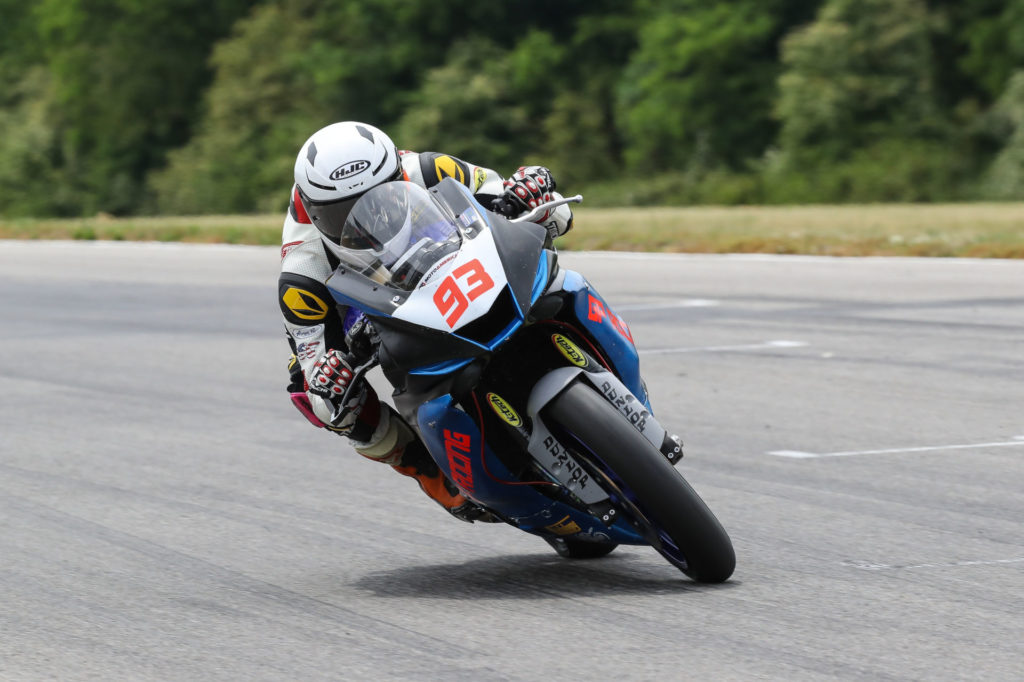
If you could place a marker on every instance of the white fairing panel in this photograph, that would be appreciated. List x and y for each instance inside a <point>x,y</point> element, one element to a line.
<point>459,289</point>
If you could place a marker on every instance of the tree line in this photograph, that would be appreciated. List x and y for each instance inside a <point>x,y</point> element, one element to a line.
<point>199,106</point>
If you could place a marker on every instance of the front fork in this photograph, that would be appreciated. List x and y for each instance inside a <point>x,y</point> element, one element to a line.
<point>599,494</point>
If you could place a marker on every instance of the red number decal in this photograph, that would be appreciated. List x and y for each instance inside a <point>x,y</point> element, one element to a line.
<point>449,298</point>
<point>478,279</point>
<point>598,312</point>
<point>621,325</point>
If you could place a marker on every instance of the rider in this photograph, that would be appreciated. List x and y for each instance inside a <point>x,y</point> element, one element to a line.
<point>335,167</point>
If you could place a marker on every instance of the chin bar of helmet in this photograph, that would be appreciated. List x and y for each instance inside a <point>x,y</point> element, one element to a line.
<point>543,208</point>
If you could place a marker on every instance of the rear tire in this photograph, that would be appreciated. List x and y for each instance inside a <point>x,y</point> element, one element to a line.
<point>660,491</point>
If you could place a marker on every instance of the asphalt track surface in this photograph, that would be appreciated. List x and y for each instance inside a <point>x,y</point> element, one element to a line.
<point>165,515</point>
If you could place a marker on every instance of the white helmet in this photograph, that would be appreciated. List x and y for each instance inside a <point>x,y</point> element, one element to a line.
<point>336,166</point>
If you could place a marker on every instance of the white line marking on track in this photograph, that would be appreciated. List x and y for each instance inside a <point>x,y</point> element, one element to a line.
<point>799,454</point>
<point>888,567</point>
<point>684,303</point>
<point>715,349</point>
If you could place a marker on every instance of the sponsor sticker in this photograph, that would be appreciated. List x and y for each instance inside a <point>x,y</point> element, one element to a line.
<point>569,350</point>
<point>631,408</point>
<point>456,446</point>
<point>307,332</point>
<point>479,178</point>
<point>287,248</point>
<point>349,169</point>
<point>503,410</point>
<point>564,460</point>
<point>564,527</point>
<point>304,305</point>
<point>436,269</point>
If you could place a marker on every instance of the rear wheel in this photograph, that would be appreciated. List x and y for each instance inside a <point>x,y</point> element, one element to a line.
<point>687,533</point>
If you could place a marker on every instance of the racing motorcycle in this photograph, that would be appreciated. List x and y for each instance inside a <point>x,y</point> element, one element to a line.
<point>519,377</point>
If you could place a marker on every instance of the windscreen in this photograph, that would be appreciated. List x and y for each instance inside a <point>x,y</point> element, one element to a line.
<point>396,233</point>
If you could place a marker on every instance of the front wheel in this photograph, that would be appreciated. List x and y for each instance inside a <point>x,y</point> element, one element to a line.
<point>647,480</point>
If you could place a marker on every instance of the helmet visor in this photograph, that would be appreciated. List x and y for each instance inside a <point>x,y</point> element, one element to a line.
<point>329,218</point>
<point>397,234</point>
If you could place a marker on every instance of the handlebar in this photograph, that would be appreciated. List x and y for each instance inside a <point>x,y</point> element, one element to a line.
<point>540,210</point>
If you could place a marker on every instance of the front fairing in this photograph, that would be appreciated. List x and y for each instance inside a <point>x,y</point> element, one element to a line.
<point>460,306</point>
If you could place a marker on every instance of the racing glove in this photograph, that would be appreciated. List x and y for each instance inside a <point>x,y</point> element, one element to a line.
<point>527,188</point>
<point>332,379</point>
<point>362,339</point>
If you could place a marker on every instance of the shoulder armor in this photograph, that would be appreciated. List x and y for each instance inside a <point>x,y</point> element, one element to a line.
<point>436,167</point>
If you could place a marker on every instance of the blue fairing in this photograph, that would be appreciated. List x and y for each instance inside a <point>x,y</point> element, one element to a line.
<point>540,281</point>
<point>609,329</point>
<point>441,368</point>
<point>344,299</point>
<point>454,442</point>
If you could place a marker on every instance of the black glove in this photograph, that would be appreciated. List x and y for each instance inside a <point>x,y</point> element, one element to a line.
<point>332,380</point>
<point>529,187</point>
<point>362,339</point>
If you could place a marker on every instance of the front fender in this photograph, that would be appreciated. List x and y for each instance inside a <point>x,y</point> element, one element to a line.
<point>605,383</point>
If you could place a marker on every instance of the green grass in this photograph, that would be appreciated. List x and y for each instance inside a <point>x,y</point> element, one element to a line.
<point>941,230</point>
<point>255,229</point>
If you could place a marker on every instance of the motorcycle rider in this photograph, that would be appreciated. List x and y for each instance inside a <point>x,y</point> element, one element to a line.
<point>334,168</point>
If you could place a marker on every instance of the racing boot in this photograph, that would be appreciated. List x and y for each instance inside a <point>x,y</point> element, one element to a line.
<point>394,443</point>
<point>417,463</point>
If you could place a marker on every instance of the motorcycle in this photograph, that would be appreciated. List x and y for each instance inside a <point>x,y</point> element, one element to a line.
<point>519,377</point>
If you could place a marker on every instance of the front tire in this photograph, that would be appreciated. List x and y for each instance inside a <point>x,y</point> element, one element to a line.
<point>662,495</point>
